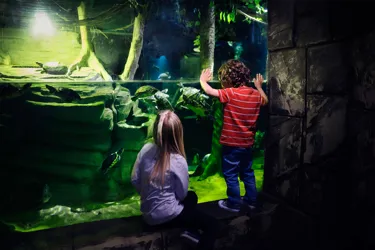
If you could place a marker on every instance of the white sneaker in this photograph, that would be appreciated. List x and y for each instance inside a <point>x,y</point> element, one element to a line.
<point>223,205</point>
<point>190,236</point>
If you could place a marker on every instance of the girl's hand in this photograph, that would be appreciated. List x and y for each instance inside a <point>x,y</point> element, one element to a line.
<point>258,81</point>
<point>206,75</point>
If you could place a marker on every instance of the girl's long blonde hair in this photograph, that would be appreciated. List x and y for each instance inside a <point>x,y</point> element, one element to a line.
<point>168,136</point>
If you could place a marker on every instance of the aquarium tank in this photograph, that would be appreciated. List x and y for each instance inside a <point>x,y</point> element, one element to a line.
<point>81,83</point>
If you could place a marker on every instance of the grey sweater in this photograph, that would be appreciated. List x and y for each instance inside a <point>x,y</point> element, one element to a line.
<point>159,205</point>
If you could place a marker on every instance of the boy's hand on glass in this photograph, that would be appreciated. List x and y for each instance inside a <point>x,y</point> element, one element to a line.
<point>206,75</point>
<point>258,81</point>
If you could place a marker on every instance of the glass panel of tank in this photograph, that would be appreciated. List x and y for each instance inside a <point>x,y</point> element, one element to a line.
<point>81,83</point>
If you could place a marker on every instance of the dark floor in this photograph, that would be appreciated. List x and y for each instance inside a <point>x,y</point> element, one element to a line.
<point>283,227</point>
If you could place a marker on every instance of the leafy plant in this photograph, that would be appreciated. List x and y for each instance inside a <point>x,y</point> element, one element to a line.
<point>228,11</point>
<point>259,138</point>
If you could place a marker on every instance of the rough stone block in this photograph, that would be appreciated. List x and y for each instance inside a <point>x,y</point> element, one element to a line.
<point>283,146</point>
<point>287,82</point>
<point>287,187</point>
<point>280,21</point>
<point>328,69</point>
<point>362,134</point>
<point>236,229</point>
<point>364,66</point>
<point>322,180</point>
<point>325,126</point>
<point>312,24</point>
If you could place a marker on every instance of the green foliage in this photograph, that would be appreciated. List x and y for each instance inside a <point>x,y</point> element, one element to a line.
<point>227,11</point>
<point>197,41</point>
<point>228,17</point>
<point>259,138</point>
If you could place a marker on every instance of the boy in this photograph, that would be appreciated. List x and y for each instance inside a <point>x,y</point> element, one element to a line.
<point>241,111</point>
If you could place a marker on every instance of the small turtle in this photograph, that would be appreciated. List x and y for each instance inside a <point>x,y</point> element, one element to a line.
<point>144,91</point>
<point>201,167</point>
<point>8,91</point>
<point>66,94</point>
<point>53,68</point>
<point>111,161</point>
<point>164,76</point>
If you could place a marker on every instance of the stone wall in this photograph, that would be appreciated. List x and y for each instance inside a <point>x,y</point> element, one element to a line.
<point>320,154</point>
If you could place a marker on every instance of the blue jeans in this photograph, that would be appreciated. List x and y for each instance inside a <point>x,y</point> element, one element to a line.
<point>238,161</point>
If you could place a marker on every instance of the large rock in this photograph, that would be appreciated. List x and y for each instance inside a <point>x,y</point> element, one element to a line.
<point>89,93</point>
<point>280,21</point>
<point>48,126</point>
<point>89,113</point>
<point>326,126</point>
<point>287,82</point>
<point>312,24</point>
<point>52,170</point>
<point>123,103</point>
<point>283,146</point>
<point>101,141</point>
<point>328,69</point>
<point>364,66</point>
<point>133,137</point>
<point>69,156</point>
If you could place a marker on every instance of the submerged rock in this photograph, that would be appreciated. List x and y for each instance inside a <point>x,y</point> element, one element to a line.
<point>66,94</point>
<point>123,103</point>
<point>144,91</point>
<point>8,91</point>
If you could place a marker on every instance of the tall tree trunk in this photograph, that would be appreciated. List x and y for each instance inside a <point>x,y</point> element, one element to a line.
<point>87,56</point>
<point>207,49</point>
<point>207,35</point>
<point>135,50</point>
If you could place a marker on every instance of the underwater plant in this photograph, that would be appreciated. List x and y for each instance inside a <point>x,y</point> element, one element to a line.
<point>259,139</point>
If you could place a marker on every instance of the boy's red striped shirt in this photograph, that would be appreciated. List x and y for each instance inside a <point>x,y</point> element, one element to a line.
<point>241,111</point>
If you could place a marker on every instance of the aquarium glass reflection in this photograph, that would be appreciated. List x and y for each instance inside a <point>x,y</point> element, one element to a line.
<point>80,86</point>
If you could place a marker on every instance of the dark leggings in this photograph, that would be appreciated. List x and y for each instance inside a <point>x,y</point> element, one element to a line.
<point>193,219</point>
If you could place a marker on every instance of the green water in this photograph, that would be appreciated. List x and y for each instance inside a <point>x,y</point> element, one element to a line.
<point>51,141</point>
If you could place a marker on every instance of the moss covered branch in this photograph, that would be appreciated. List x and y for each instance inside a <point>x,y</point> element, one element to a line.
<point>135,50</point>
<point>87,56</point>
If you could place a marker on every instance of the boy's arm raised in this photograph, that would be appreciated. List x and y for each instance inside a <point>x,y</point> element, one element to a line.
<point>264,96</point>
<point>258,84</point>
<point>205,77</point>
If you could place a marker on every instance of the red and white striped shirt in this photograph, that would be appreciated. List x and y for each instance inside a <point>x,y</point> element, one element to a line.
<point>241,111</point>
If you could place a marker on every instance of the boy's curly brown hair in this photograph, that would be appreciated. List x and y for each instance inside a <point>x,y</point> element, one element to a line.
<point>234,73</point>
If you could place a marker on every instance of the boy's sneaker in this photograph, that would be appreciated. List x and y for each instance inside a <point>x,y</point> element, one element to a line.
<point>190,236</point>
<point>224,205</point>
